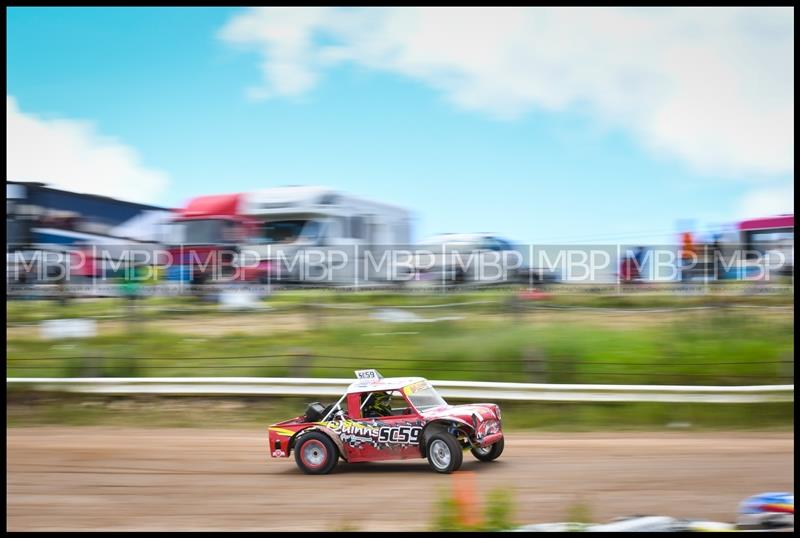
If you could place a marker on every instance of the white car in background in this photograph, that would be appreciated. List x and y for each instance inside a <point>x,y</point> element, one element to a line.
<point>467,258</point>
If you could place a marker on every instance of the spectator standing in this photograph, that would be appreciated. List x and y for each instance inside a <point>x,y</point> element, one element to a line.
<point>688,255</point>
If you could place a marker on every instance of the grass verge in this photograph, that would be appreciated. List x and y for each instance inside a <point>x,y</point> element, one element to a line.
<point>716,347</point>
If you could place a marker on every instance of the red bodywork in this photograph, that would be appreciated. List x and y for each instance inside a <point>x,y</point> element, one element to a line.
<point>391,437</point>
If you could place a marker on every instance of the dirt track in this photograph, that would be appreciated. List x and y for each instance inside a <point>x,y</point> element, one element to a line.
<point>98,478</point>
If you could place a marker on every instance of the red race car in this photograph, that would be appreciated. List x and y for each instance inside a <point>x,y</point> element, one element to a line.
<point>388,419</point>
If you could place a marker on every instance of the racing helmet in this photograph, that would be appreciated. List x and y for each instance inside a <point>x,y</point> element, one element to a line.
<point>379,403</point>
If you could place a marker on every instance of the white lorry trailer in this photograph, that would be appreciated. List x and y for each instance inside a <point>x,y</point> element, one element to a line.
<point>310,235</point>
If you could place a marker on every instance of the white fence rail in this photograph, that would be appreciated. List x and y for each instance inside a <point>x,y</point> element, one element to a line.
<point>472,390</point>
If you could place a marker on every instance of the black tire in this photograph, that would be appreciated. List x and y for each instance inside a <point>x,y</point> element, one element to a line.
<point>316,453</point>
<point>445,454</point>
<point>491,454</point>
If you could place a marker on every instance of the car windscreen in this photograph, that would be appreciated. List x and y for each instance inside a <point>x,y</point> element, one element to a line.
<point>423,396</point>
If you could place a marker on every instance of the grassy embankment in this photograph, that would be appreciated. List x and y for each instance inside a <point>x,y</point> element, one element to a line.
<point>732,346</point>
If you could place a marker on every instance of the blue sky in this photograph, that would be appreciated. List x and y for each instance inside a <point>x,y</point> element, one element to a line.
<point>198,101</point>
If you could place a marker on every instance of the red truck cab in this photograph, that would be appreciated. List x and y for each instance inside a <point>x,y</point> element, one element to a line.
<point>212,235</point>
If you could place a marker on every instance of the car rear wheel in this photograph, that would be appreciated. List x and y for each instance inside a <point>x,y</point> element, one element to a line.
<point>315,453</point>
<point>488,453</point>
<point>444,453</point>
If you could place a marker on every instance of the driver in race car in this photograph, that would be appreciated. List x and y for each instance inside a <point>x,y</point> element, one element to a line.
<point>377,405</point>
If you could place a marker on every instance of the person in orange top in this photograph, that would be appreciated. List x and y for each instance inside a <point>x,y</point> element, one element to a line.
<point>688,249</point>
<point>687,254</point>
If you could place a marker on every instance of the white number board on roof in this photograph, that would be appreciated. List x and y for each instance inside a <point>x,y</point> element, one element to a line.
<point>368,375</point>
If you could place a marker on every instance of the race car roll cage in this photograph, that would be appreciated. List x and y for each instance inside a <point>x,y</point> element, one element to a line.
<point>364,374</point>
<point>338,405</point>
<point>452,427</point>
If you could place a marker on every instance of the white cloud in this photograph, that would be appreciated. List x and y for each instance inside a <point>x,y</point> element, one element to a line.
<point>71,155</point>
<point>712,87</point>
<point>773,200</point>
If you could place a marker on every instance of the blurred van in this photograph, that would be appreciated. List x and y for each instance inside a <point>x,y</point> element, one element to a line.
<point>467,258</point>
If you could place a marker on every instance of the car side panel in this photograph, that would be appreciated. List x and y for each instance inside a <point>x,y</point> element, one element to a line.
<point>280,436</point>
<point>377,439</point>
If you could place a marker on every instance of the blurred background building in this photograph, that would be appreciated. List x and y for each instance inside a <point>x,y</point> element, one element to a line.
<point>38,214</point>
<point>45,226</point>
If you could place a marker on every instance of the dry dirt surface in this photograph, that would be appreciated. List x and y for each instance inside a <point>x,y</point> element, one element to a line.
<point>103,478</point>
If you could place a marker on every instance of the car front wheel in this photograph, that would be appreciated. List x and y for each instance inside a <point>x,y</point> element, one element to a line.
<point>488,453</point>
<point>315,453</point>
<point>444,453</point>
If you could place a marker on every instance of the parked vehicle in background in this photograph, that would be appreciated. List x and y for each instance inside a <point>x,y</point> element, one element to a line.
<point>772,239</point>
<point>292,234</point>
<point>380,419</point>
<point>753,249</point>
<point>207,236</point>
<point>467,258</point>
<point>319,235</point>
